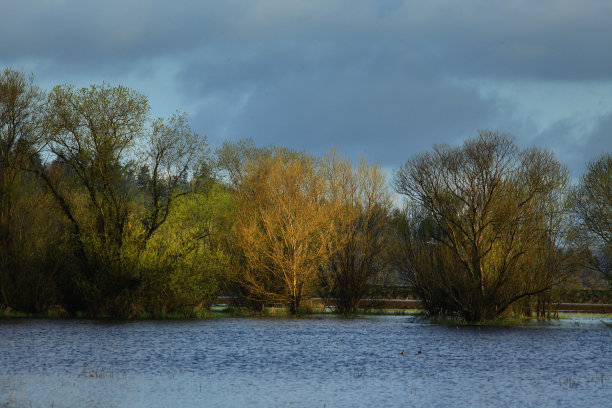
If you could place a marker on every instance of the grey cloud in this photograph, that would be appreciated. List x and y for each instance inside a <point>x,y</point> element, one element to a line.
<point>547,39</point>
<point>382,78</point>
<point>105,34</point>
<point>544,40</point>
<point>383,117</point>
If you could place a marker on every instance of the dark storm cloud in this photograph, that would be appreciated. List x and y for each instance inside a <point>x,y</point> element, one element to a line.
<point>83,35</point>
<point>549,39</point>
<point>380,78</point>
<point>383,117</point>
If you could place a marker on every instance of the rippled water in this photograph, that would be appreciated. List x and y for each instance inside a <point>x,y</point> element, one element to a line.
<point>311,362</point>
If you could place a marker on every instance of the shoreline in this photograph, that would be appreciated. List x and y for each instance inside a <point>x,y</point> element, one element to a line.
<point>563,318</point>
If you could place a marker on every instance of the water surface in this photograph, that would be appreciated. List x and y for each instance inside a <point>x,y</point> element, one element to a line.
<point>311,362</point>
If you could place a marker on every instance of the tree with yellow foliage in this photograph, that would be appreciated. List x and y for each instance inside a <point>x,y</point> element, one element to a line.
<point>283,228</point>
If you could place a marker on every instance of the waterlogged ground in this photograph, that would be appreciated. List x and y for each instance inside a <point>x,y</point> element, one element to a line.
<point>307,362</point>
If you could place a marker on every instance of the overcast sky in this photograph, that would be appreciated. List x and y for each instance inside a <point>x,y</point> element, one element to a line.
<point>381,78</point>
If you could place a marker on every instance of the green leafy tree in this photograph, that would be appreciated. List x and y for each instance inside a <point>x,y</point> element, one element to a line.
<point>184,264</point>
<point>91,132</point>
<point>170,151</point>
<point>97,137</point>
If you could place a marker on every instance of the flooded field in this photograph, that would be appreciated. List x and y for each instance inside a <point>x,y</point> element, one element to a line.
<point>304,362</point>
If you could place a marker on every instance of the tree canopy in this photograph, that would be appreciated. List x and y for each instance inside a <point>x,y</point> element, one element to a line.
<point>488,203</point>
<point>106,210</point>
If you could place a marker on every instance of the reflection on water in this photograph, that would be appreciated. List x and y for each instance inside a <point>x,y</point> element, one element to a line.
<point>312,362</point>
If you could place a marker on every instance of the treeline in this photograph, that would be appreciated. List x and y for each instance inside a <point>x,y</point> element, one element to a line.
<point>107,211</point>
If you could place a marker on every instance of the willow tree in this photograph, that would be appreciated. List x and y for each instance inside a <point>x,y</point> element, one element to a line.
<point>592,209</point>
<point>492,207</point>
<point>282,228</point>
<point>360,207</point>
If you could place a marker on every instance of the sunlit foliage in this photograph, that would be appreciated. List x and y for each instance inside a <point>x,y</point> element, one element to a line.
<point>283,227</point>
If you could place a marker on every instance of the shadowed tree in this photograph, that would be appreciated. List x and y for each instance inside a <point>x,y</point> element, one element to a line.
<point>91,132</point>
<point>489,204</point>
<point>26,265</point>
<point>592,210</point>
<point>360,208</point>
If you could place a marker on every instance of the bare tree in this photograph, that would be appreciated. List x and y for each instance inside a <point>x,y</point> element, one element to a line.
<point>592,209</point>
<point>488,201</point>
<point>361,207</point>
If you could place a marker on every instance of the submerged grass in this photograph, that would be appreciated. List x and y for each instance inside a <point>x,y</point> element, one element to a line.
<point>272,312</point>
<point>18,314</point>
<point>503,322</point>
<point>233,311</point>
<point>97,373</point>
<point>598,379</point>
